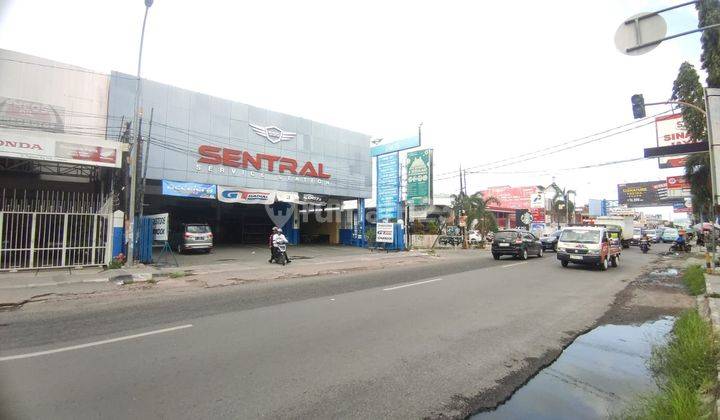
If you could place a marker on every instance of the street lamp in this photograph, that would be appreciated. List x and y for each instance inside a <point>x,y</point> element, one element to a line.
<point>133,154</point>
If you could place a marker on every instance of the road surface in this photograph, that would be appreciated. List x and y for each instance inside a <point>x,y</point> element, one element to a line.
<point>429,341</point>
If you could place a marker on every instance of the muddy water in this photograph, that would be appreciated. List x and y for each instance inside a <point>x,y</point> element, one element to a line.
<point>595,377</point>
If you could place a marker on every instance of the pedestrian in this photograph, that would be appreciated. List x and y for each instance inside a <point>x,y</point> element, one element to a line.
<point>270,244</point>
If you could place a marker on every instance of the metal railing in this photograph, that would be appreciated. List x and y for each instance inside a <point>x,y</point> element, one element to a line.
<point>53,229</point>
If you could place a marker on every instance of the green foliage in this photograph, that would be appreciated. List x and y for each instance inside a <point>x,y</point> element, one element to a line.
<point>687,88</point>
<point>432,227</point>
<point>685,369</point>
<point>370,235</point>
<point>709,14</point>
<point>694,279</point>
<point>697,171</point>
<point>476,208</point>
<point>561,198</point>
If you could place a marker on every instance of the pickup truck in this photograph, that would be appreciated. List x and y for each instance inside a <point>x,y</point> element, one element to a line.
<point>589,246</point>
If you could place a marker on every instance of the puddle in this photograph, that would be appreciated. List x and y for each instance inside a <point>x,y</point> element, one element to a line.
<point>595,377</point>
<point>667,272</point>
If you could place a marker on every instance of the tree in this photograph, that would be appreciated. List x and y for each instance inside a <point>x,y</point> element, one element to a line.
<point>709,14</point>
<point>561,198</point>
<point>687,88</point>
<point>475,207</point>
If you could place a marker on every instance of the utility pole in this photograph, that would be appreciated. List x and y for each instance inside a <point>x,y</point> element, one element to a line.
<point>133,156</point>
<point>144,163</point>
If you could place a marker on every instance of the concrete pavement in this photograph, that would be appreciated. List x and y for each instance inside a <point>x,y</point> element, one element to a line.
<point>422,341</point>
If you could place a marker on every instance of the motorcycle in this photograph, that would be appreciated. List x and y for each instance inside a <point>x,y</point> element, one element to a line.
<point>680,247</point>
<point>644,246</point>
<point>280,253</point>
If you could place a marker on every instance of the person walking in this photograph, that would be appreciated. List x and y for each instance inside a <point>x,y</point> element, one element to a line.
<point>271,245</point>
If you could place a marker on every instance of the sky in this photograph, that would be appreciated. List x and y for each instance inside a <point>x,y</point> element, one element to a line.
<point>489,81</point>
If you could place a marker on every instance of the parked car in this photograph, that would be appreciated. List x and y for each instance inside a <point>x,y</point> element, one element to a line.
<point>589,246</point>
<point>192,236</point>
<point>516,242</point>
<point>474,237</point>
<point>670,235</point>
<point>550,241</point>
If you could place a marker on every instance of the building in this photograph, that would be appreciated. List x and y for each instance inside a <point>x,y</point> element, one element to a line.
<point>241,169</point>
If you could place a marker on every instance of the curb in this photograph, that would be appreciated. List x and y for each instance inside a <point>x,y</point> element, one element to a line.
<point>711,306</point>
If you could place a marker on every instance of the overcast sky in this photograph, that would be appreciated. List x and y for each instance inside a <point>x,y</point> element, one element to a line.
<point>489,80</point>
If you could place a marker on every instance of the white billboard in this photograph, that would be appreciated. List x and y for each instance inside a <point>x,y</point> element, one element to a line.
<point>670,130</point>
<point>384,233</point>
<point>160,226</point>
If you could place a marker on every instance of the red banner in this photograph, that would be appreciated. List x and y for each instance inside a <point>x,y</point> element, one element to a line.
<point>511,197</point>
<point>677,183</point>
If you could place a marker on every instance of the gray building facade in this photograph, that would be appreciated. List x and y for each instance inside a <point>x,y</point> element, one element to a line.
<point>204,139</point>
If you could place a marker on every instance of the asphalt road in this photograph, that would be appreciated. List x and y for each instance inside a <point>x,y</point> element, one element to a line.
<point>398,343</point>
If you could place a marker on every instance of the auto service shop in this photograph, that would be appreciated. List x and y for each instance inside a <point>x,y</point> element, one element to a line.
<point>240,168</point>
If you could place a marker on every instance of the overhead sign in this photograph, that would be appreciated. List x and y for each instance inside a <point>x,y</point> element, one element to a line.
<point>385,233</point>
<point>670,130</point>
<point>160,225</point>
<point>511,197</point>
<point>388,187</point>
<point>245,195</point>
<point>64,148</point>
<point>645,194</point>
<point>678,186</point>
<point>189,189</point>
<point>395,146</point>
<point>419,177</point>
<point>31,115</point>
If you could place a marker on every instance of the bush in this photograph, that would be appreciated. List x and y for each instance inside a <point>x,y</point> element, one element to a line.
<point>694,279</point>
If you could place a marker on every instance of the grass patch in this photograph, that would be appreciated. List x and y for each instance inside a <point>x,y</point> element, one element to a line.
<point>694,279</point>
<point>685,370</point>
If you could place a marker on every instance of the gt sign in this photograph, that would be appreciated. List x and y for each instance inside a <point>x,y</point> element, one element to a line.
<point>384,233</point>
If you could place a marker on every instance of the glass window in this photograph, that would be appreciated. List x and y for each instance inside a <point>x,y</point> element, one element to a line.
<point>580,236</point>
<point>198,228</point>
<point>506,236</point>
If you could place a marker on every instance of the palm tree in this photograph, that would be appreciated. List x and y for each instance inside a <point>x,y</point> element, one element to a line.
<point>475,207</point>
<point>560,201</point>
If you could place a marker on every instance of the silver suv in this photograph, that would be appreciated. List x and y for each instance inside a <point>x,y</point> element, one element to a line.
<point>193,236</point>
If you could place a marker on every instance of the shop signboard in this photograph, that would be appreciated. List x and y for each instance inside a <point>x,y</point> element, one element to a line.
<point>395,146</point>
<point>645,194</point>
<point>384,233</point>
<point>314,199</point>
<point>678,186</point>
<point>538,214</point>
<point>537,200</point>
<point>419,177</point>
<point>418,212</point>
<point>670,130</point>
<point>189,189</point>
<point>388,187</point>
<point>683,207</point>
<point>64,148</point>
<point>511,197</point>
<point>160,225</point>
<point>245,195</point>
<point>30,115</point>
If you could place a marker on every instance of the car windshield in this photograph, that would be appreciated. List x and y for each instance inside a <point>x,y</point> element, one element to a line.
<point>650,232</point>
<point>637,231</point>
<point>198,228</point>
<point>670,232</point>
<point>506,236</point>
<point>580,236</point>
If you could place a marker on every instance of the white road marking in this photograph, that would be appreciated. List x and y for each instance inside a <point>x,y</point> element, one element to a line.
<point>410,284</point>
<point>513,265</point>
<point>94,343</point>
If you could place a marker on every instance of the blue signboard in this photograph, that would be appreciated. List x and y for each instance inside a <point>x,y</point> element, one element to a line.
<point>189,189</point>
<point>395,146</point>
<point>388,186</point>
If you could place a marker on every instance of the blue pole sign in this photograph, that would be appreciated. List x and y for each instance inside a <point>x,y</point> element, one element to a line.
<point>388,187</point>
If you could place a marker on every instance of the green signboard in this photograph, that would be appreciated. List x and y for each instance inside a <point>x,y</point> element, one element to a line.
<point>419,177</point>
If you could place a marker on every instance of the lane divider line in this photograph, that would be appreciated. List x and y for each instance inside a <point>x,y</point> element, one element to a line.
<point>513,265</point>
<point>410,284</point>
<point>93,344</point>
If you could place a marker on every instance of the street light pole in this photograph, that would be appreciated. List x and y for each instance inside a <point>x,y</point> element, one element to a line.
<point>133,154</point>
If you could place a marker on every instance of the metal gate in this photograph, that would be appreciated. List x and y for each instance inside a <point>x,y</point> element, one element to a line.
<point>50,229</point>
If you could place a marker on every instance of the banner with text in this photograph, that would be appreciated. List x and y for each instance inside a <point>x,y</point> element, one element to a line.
<point>419,177</point>
<point>388,186</point>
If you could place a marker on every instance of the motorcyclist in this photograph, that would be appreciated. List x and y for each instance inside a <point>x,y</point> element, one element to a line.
<point>680,242</point>
<point>645,241</point>
<point>277,239</point>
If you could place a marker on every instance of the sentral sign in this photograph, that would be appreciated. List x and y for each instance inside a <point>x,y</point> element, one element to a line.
<point>209,140</point>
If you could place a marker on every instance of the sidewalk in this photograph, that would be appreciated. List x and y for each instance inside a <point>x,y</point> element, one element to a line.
<point>17,289</point>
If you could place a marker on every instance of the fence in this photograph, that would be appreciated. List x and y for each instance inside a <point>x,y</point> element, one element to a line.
<point>51,229</point>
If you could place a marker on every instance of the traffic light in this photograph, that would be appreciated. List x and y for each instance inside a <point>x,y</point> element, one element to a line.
<point>638,106</point>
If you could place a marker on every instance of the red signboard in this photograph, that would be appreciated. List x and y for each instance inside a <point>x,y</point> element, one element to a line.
<point>511,197</point>
<point>538,215</point>
<point>677,183</point>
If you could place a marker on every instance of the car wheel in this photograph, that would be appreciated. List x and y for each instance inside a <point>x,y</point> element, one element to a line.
<point>540,253</point>
<point>523,254</point>
<point>614,261</point>
<point>564,263</point>
<point>496,256</point>
<point>604,264</point>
